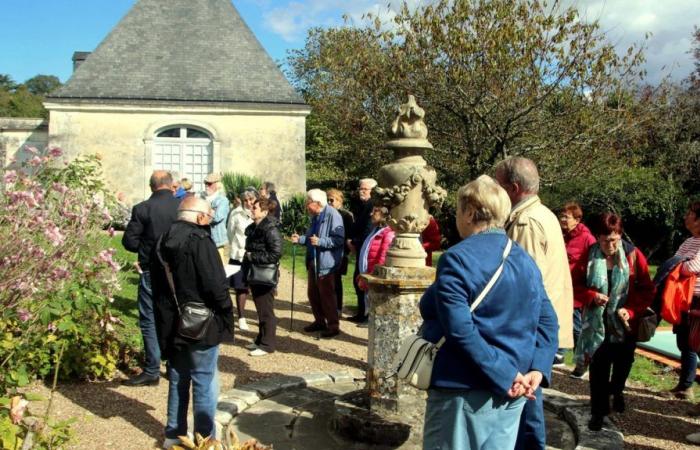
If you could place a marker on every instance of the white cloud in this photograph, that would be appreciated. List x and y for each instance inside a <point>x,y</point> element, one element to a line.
<point>625,21</point>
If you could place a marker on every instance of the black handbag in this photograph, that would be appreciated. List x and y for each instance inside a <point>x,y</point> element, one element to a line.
<point>647,325</point>
<point>193,317</point>
<point>262,274</point>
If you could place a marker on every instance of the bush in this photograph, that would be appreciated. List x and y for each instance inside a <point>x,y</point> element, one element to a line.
<point>235,183</point>
<point>295,219</point>
<point>57,281</point>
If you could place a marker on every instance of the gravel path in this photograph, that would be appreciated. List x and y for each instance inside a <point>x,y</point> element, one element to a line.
<point>112,416</point>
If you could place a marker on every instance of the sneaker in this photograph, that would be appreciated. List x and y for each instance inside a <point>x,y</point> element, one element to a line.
<point>685,394</point>
<point>596,423</point>
<point>258,352</point>
<point>618,403</point>
<point>251,346</point>
<point>242,324</point>
<point>558,360</point>
<point>580,371</point>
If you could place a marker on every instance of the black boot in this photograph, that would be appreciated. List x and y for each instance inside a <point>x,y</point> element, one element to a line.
<point>142,380</point>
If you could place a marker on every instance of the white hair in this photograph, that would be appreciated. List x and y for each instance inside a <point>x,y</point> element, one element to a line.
<point>318,196</point>
<point>489,201</point>
<point>191,207</point>
<point>371,182</point>
<point>521,171</point>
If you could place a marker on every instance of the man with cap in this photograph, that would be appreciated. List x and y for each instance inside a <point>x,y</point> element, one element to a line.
<point>149,219</point>
<point>214,194</point>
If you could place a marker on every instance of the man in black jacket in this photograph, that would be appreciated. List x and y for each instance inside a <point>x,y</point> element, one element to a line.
<point>198,276</point>
<point>149,219</point>
<point>361,210</point>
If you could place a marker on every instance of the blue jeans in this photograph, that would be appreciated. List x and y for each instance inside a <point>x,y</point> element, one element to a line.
<point>689,359</point>
<point>196,366</point>
<point>532,435</point>
<point>459,419</point>
<point>147,322</point>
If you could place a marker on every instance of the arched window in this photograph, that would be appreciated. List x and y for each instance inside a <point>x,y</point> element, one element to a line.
<point>186,150</point>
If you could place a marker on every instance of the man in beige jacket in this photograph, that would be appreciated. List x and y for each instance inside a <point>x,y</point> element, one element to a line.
<point>537,230</point>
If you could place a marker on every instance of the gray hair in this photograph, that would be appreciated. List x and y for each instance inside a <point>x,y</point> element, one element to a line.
<point>318,196</point>
<point>489,201</point>
<point>269,186</point>
<point>249,193</point>
<point>191,207</point>
<point>369,181</point>
<point>521,171</point>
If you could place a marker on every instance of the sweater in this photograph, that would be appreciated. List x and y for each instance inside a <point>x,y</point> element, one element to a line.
<point>578,241</point>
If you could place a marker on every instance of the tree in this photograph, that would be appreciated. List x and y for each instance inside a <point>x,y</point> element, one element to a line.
<point>42,84</point>
<point>497,78</point>
<point>7,83</point>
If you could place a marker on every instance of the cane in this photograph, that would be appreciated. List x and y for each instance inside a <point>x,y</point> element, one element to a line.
<point>294,266</point>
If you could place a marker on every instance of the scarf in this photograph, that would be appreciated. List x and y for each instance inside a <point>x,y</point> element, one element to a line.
<point>601,322</point>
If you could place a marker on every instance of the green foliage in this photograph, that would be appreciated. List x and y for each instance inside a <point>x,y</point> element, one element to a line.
<point>18,426</point>
<point>42,84</point>
<point>235,183</point>
<point>21,103</point>
<point>295,218</point>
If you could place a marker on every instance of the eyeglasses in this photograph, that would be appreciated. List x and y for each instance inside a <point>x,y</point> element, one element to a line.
<point>211,216</point>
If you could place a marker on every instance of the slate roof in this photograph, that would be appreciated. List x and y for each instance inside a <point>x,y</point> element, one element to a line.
<point>191,50</point>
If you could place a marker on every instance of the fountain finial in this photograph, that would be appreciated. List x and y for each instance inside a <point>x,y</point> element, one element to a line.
<point>409,123</point>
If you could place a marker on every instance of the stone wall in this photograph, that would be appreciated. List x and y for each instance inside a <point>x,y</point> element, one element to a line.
<point>263,140</point>
<point>15,133</point>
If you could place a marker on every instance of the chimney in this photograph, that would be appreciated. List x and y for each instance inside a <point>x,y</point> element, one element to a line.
<point>79,58</point>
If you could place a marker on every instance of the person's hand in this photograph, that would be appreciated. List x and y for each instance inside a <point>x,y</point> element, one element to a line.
<point>314,240</point>
<point>600,299</point>
<point>518,388</point>
<point>623,314</point>
<point>295,238</point>
<point>350,246</point>
<point>533,379</point>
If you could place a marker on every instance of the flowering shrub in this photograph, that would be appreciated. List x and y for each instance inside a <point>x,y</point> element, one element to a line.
<point>56,280</point>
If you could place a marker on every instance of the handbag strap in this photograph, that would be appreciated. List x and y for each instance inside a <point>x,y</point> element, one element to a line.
<point>168,272</point>
<point>487,288</point>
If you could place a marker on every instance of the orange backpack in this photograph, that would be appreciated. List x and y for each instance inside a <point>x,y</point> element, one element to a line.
<point>677,295</point>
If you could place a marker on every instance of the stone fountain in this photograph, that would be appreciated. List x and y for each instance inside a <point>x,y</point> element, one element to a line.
<point>388,411</point>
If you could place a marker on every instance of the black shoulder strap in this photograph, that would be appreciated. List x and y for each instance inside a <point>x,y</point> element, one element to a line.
<point>168,272</point>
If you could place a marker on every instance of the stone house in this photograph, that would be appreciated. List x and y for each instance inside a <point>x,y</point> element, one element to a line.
<point>182,85</point>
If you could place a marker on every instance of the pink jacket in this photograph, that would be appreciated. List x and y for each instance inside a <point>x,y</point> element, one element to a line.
<point>376,254</point>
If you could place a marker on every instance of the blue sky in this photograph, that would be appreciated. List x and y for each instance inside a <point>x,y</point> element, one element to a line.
<point>40,36</point>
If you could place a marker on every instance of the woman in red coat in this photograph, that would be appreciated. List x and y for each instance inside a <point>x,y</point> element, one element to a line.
<point>578,240</point>
<point>375,247</point>
<point>431,240</point>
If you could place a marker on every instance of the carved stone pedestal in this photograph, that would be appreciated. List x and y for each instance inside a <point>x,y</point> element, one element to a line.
<point>388,411</point>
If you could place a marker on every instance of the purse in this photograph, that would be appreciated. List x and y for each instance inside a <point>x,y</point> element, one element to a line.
<point>647,325</point>
<point>193,317</point>
<point>414,361</point>
<point>262,274</point>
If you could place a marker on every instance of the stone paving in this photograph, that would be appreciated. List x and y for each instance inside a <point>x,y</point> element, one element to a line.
<point>295,413</point>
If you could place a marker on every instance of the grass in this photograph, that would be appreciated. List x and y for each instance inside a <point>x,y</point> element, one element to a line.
<point>125,307</point>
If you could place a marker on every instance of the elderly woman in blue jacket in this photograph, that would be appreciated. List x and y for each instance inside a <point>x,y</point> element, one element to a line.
<point>494,358</point>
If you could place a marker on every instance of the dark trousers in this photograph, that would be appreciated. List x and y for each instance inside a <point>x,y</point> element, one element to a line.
<point>321,292</point>
<point>578,323</point>
<point>531,433</point>
<point>361,305</point>
<point>267,321</point>
<point>689,359</point>
<point>339,291</point>
<point>617,357</point>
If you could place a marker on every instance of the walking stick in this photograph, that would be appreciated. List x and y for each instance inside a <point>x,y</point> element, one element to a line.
<point>294,266</point>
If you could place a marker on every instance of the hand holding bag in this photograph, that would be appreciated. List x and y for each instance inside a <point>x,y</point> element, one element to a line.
<point>416,356</point>
<point>194,317</point>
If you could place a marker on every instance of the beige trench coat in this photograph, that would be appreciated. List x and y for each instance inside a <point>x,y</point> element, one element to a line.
<point>537,230</point>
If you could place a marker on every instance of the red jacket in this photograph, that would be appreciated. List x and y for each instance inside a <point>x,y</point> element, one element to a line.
<point>431,239</point>
<point>641,290</point>
<point>578,241</point>
<point>376,253</point>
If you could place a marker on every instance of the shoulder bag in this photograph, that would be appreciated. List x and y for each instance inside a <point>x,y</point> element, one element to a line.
<point>416,356</point>
<point>262,274</point>
<point>193,317</point>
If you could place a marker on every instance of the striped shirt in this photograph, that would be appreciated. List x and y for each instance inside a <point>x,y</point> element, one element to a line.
<point>691,249</point>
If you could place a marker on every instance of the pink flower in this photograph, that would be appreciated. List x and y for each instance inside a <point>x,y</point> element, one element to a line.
<point>10,177</point>
<point>60,274</point>
<point>35,161</point>
<point>31,149</point>
<point>55,152</point>
<point>51,327</point>
<point>110,231</point>
<point>53,233</point>
<point>60,188</point>
<point>17,407</point>
<point>23,315</point>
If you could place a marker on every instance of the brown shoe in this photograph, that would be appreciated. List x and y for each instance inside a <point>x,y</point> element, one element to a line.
<point>314,327</point>
<point>685,394</point>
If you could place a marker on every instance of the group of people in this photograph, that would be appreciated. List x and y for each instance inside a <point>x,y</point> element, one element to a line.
<point>563,285</point>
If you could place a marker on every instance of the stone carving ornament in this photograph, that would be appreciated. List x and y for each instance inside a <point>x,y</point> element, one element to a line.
<point>407,186</point>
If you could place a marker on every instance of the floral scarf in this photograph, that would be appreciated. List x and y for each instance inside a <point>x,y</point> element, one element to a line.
<point>595,318</point>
